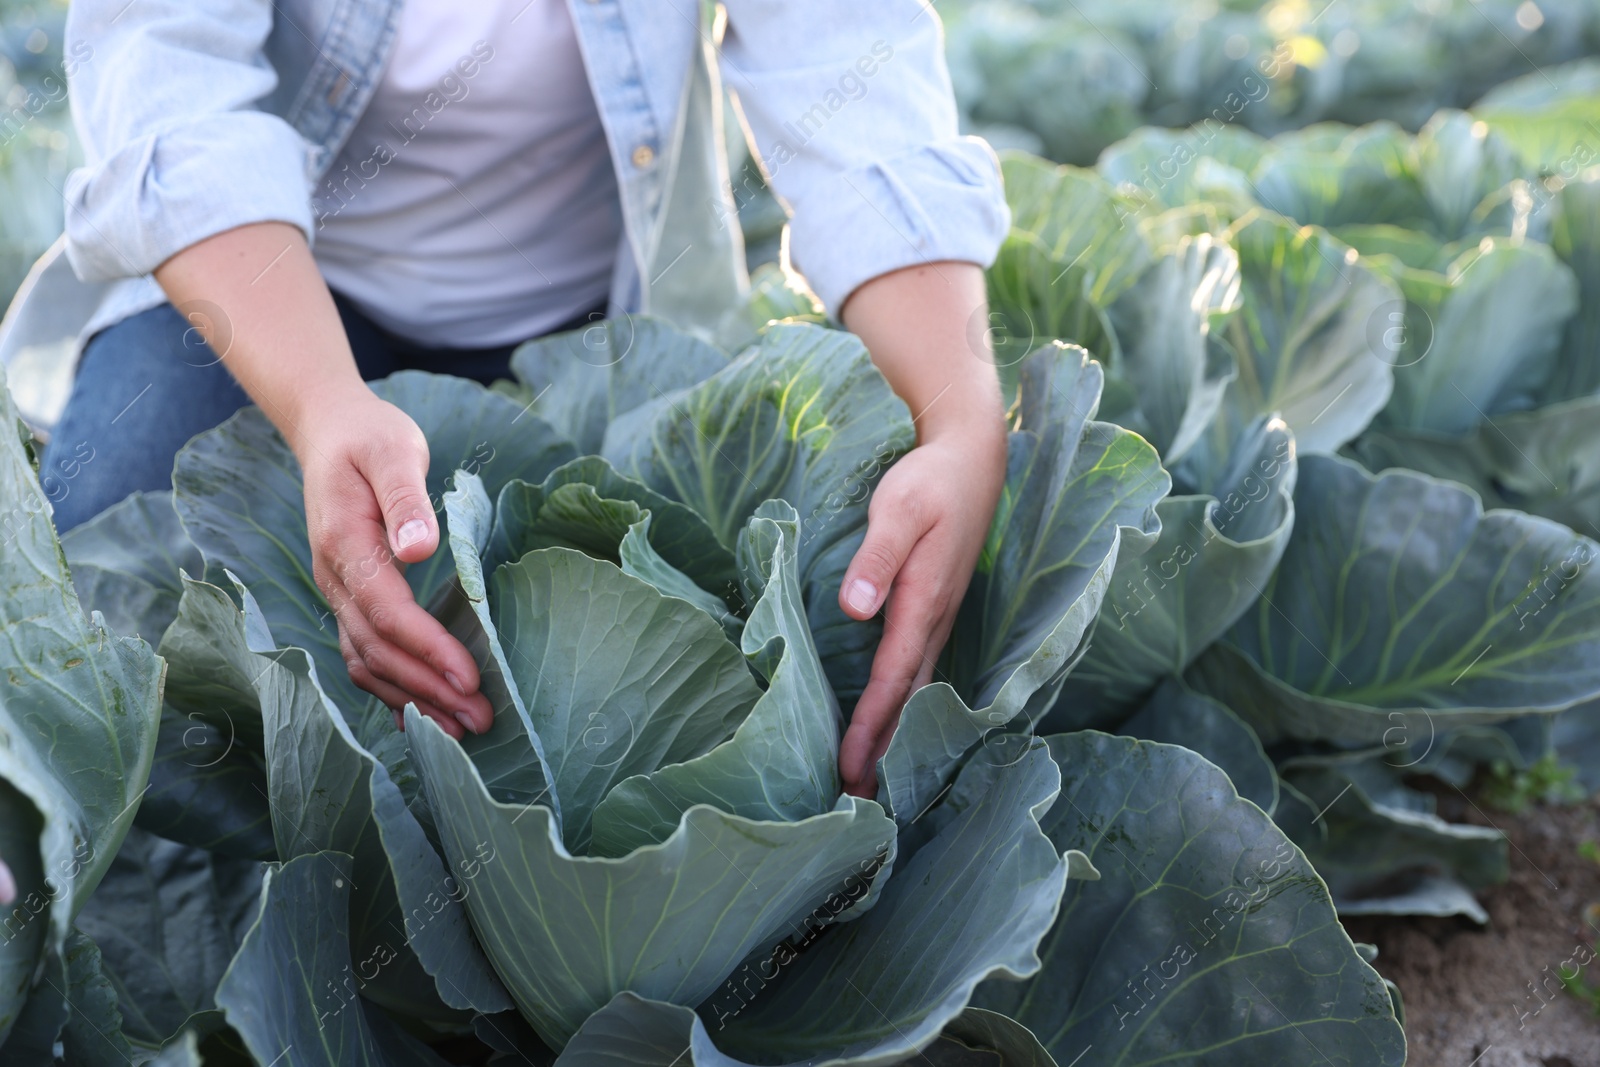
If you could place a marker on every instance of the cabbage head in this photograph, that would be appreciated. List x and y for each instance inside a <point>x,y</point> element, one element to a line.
<point>647,860</point>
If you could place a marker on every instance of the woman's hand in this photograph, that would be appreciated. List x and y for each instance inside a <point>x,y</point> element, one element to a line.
<point>272,322</point>
<point>368,514</point>
<point>929,517</point>
<point>926,525</point>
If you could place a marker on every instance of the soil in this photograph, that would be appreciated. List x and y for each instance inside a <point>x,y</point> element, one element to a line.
<point>1473,995</point>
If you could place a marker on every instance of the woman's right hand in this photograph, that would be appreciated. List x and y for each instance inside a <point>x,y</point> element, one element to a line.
<point>270,319</point>
<point>368,514</point>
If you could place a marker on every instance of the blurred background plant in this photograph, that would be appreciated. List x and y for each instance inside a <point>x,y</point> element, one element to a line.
<point>1065,79</point>
<point>37,148</point>
<point>1582,985</point>
<point>1128,63</point>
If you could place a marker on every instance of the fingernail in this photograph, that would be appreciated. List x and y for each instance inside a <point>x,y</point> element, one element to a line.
<point>466,722</point>
<point>8,885</point>
<point>455,683</point>
<point>411,532</point>
<point>863,595</point>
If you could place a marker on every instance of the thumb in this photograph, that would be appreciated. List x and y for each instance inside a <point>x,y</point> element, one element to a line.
<point>397,471</point>
<point>890,538</point>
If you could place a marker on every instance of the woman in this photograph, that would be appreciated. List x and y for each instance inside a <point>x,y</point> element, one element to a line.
<point>330,190</point>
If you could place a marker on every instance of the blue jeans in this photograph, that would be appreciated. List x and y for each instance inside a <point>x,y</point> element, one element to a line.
<point>148,384</point>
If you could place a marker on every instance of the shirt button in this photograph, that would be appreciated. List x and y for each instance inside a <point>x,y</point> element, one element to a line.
<point>643,156</point>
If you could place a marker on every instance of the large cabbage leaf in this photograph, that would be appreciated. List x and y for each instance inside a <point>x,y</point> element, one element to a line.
<point>1484,339</point>
<point>1575,237</point>
<point>78,720</point>
<point>1177,168</point>
<point>1399,602</point>
<point>1167,369</point>
<point>1545,462</point>
<point>290,991</point>
<point>81,1002</point>
<point>1207,932</point>
<point>167,920</point>
<point>1464,169</point>
<point>1331,175</point>
<point>407,930</point>
<point>126,563</point>
<point>972,903</point>
<point>581,382</point>
<point>509,755</point>
<point>1301,340</point>
<point>1217,549</point>
<point>1177,715</point>
<point>567,933</point>
<point>1527,435</point>
<point>327,793</point>
<point>1070,253</point>
<point>1381,847</point>
<point>1079,495</point>
<point>1548,115</point>
<point>207,784</point>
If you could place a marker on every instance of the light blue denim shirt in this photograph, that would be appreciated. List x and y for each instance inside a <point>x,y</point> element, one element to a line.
<point>197,116</point>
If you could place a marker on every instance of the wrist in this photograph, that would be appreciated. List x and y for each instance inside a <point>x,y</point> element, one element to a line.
<point>328,405</point>
<point>969,412</point>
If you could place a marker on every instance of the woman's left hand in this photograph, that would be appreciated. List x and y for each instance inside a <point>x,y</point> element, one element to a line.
<point>926,525</point>
<point>929,516</point>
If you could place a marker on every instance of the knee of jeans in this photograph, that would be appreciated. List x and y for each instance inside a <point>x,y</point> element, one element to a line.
<point>82,477</point>
<point>74,512</point>
<point>163,342</point>
<point>140,393</point>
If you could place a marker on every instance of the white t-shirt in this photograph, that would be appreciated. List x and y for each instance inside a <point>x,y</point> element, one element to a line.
<point>475,202</point>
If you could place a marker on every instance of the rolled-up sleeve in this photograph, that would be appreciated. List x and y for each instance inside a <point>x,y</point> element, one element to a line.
<point>851,110</point>
<point>165,99</point>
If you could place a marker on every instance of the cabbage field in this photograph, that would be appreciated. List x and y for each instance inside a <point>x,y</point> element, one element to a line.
<point>1265,67</point>
<point>1298,530</point>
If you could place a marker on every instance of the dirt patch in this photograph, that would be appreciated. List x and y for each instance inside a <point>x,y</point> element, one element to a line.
<point>1473,995</point>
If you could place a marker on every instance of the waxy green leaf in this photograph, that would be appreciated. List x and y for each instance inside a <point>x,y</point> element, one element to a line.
<point>781,762</point>
<point>1207,929</point>
<point>1401,605</point>
<point>567,933</point>
<point>1217,549</point>
<point>1079,495</point>
<point>291,990</point>
<point>78,717</point>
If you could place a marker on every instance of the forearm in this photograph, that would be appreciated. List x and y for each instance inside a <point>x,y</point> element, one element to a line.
<point>926,327</point>
<point>255,294</point>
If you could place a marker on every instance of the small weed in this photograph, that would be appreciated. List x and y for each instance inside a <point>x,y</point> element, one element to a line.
<point>1588,992</point>
<point>1544,782</point>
